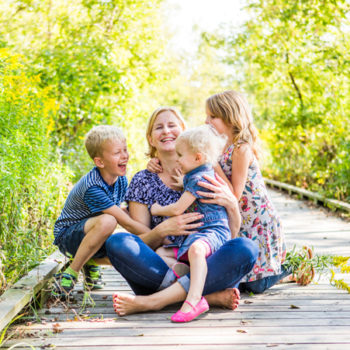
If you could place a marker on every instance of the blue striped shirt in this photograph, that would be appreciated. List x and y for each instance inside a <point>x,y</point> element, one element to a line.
<point>89,197</point>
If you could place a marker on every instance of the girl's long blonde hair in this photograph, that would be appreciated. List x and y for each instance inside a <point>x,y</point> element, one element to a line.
<point>233,108</point>
<point>152,150</point>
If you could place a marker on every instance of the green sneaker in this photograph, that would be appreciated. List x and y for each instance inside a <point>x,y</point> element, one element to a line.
<point>64,283</point>
<point>92,276</point>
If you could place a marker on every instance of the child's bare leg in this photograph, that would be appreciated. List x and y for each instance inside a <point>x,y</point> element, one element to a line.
<point>167,254</point>
<point>97,230</point>
<point>126,304</point>
<point>198,268</point>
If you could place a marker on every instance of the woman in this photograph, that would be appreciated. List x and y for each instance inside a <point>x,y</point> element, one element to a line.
<point>133,256</point>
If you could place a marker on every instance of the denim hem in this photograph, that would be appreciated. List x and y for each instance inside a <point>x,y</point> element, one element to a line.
<point>185,283</point>
<point>168,279</point>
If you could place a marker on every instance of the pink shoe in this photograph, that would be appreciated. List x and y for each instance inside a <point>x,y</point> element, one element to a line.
<point>197,310</point>
<point>180,269</point>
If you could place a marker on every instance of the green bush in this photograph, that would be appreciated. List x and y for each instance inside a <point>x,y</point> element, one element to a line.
<point>33,183</point>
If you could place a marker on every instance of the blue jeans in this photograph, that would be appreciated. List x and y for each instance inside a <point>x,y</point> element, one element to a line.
<point>259,286</point>
<point>145,271</point>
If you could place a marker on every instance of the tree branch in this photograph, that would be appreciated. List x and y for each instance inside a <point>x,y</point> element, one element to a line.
<point>295,84</point>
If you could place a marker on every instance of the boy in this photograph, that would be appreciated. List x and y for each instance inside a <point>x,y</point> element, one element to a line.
<point>91,211</point>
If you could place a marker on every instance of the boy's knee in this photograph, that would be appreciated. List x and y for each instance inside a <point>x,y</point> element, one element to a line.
<point>106,224</point>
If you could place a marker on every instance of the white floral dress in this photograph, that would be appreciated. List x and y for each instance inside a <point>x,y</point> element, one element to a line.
<point>260,221</point>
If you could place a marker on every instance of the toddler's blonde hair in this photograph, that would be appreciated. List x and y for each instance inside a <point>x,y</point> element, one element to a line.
<point>151,149</point>
<point>204,139</point>
<point>98,136</point>
<point>233,108</point>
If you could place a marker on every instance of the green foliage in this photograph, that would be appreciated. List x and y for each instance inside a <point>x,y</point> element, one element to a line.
<point>294,56</point>
<point>95,56</point>
<point>77,64</point>
<point>32,182</point>
<point>299,260</point>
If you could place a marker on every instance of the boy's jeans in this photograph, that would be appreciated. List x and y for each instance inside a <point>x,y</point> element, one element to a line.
<point>145,270</point>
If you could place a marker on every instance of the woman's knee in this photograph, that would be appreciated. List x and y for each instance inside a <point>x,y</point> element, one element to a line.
<point>120,244</point>
<point>245,247</point>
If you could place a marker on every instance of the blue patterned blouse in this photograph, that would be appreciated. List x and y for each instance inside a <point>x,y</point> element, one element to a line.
<point>147,188</point>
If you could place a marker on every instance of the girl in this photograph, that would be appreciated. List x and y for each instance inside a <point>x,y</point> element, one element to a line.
<point>197,150</point>
<point>229,113</point>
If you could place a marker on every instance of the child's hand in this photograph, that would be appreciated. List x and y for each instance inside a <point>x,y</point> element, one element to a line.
<point>155,208</point>
<point>154,166</point>
<point>178,179</point>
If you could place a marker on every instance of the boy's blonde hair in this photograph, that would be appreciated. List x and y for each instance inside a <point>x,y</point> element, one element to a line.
<point>233,108</point>
<point>98,136</point>
<point>204,139</point>
<point>151,150</point>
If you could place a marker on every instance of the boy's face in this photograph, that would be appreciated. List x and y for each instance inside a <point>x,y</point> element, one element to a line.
<point>187,160</point>
<point>114,158</point>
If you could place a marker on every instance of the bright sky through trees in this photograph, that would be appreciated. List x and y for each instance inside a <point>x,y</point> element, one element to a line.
<point>184,16</point>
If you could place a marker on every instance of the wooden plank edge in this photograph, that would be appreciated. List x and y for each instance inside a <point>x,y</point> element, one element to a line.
<point>316,197</point>
<point>23,291</point>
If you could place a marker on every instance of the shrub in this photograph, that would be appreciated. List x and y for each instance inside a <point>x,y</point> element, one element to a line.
<point>32,179</point>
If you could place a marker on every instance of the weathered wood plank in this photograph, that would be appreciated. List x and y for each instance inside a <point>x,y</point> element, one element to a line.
<point>246,346</point>
<point>206,339</point>
<point>14,299</point>
<point>107,323</point>
<point>334,331</point>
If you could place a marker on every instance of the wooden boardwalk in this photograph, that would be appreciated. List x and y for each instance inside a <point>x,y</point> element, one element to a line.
<point>286,317</point>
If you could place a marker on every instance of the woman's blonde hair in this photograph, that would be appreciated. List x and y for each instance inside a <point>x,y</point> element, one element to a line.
<point>152,150</point>
<point>204,139</point>
<point>98,135</point>
<point>233,108</point>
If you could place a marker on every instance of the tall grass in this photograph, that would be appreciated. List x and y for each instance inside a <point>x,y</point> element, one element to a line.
<point>33,182</point>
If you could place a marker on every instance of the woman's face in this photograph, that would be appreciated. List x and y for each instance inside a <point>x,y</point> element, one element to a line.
<point>165,131</point>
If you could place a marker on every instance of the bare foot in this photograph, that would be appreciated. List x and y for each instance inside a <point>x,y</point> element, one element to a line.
<point>127,304</point>
<point>228,298</point>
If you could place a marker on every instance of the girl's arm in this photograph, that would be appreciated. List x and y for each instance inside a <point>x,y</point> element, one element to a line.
<point>178,208</point>
<point>242,157</point>
<point>222,195</point>
<point>177,225</point>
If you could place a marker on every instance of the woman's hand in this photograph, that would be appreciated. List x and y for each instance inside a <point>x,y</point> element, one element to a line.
<point>154,166</point>
<point>221,193</point>
<point>183,224</point>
